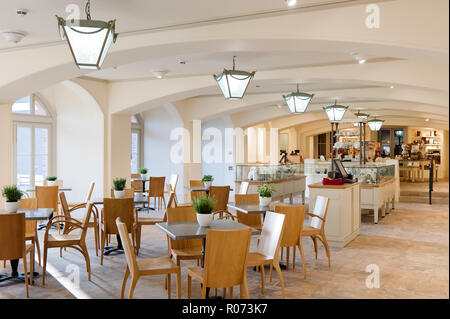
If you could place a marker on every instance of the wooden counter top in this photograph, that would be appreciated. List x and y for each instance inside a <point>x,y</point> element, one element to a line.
<point>344,186</point>
<point>296,178</point>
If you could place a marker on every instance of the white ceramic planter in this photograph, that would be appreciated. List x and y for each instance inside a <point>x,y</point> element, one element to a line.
<point>11,207</point>
<point>207,184</point>
<point>51,183</point>
<point>144,176</point>
<point>264,201</point>
<point>119,194</point>
<point>204,220</point>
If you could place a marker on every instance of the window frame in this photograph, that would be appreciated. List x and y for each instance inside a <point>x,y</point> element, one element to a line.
<point>137,128</point>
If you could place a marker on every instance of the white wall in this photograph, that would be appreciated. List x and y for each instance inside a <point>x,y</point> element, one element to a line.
<point>6,137</point>
<point>158,124</point>
<point>79,140</point>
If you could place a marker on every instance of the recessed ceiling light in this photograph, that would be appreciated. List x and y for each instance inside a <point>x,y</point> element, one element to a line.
<point>291,2</point>
<point>258,86</point>
<point>359,58</point>
<point>13,36</point>
<point>22,12</point>
<point>181,61</point>
<point>391,87</point>
<point>160,74</point>
<point>427,120</point>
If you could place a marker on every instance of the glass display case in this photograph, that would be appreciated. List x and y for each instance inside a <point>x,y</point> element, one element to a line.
<point>370,173</point>
<point>267,173</point>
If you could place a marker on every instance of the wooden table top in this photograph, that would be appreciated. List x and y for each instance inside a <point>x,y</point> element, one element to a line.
<point>192,230</point>
<point>34,214</point>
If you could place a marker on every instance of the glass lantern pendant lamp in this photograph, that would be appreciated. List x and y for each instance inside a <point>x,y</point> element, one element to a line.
<point>298,102</point>
<point>362,116</point>
<point>234,83</point>
<point>335,112</point>
<point>89,40</point>
<point>375,124</point>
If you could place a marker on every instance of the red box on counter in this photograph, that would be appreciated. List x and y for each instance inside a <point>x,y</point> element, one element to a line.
<point>332,181</point>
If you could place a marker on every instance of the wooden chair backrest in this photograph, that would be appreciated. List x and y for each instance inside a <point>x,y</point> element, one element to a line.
<point>87,217</point>
<point>226,257</point>
<point>129,192</point>
<point>171,203</point>
<point>247,219</point>
<point>29,203</point>
<point>64,205</point>
<point>271,234</point>
<point>196,183</point>
<point>12,236</point>
<point>220,195</point>
<point>293,223</point>
<point>127,247</point>
<point>118,207</point>
<point>47,197</point>
<point>156,188</point>
<point>320,209</point>
<point>89,194</point>
<point>244,188</point>
<point>183,214</point>
<point>136,185</point>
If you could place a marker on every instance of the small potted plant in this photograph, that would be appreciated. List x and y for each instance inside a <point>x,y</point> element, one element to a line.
<point>12,195</point>
<point>143,172</point>
<point>265,192</point>
<point>119,187</point>
<point>207,180</point>
<point>51,180</point>
<point>204,206</point>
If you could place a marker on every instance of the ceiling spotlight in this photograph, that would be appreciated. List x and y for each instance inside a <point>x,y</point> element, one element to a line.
<point>22,12</point>
<point>358,58</point>
<point>427,120</point>
<point>13,36</point>
<point>181,61</point>
<point>291,2</point>
<point>391,87</point>
<point>160,74</point>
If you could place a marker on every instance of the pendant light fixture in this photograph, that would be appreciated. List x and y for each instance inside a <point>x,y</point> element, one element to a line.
<point>375,124</point>
<point>335,112</point>
<point>298,102</point>
<point>89,40</point>
<point>234,83</point>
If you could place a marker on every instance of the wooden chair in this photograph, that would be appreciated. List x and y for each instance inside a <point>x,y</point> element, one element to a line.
<point>172,185</point>
<point>129,193</point>
<point>196,183</point>
<point>220,195</point>
<point>295,216</point>
<point>252,220</point>
<point>92,223</point>
<point>225,262</point>
<point>150,221</point>
<point>87,199</point>
<point>12,243</point>
<point>244,188</point>
<point>31,233</point>
<point>147,267</point>
<point>112,209</point>
<point>156,190</point>
<point>66,239</point>
<point>137,186</point>
<point>268,248</point>
<point>187,249</point>
<point>317,227</point>
<point>47,197</point>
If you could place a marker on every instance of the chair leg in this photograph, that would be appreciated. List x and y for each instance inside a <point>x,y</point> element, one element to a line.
<point>276,265</point>
<point>203,291</point>
<point>293,257</point>
<point>96,238</point>
<point>25,272</point>
<point>102,247</point>
<point>179,283</point>
<point>31,266</point>
<point>88,262</point>
<point>189,282</point>
<point>314,239</point>
<point>244,289</point>
<point>44,264</point>
<point>270,273</point>
<point>138,238</point>
<point>169,291</point>
<point>262,279</point>
<point>37,247</point>
<point>124,283</point>
<point>287,257</point>
<point>300,247</point>
<point>231,292</point>
<point>134,279</point>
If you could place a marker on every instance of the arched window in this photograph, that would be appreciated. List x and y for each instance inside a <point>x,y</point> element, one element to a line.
<point>33,141</point>
<point>136,143</point>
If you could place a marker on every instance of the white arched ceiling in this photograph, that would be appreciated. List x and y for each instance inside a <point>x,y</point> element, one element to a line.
<point>409,51</point>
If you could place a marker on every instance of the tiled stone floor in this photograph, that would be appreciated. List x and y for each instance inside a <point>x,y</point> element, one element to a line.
<point>410,247</point>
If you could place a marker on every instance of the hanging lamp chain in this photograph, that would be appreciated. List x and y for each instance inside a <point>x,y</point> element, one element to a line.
<point>88,10</point>
<point>298,88</point>
<point>234,62</point>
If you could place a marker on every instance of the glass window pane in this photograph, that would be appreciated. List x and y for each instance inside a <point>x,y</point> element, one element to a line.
<point>23,156</point>
<point>134,152</point>
<point>134,119</point>
<point>22,106</point>
<point>39,109</point>
<point>41,154</point>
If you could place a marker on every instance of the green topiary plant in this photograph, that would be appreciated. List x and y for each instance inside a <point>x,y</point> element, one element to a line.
<point>203,204</point>
<point>265,190</point>
<point>119,184</point>
<point>12,193</point>
<point>207,178</point>
<point>143,171</point>
<point>51,178</point>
